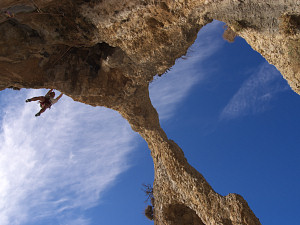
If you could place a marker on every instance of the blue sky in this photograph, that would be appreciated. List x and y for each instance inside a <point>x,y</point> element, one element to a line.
<point>231,112</point>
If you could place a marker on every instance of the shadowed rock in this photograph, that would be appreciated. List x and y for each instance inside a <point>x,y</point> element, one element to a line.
<point>105,53</point>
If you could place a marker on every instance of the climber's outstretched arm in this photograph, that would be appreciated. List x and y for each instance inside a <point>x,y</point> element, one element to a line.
<point>59,96</point>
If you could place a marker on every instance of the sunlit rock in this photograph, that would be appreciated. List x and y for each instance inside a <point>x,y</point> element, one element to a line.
<point>105,53</point>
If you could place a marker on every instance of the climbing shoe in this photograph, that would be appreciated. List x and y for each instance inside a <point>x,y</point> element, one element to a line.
<point>28,100</point>
<point>38,114</point>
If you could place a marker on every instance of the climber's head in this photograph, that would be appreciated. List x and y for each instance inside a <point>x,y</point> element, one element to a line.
<point>52,94</point>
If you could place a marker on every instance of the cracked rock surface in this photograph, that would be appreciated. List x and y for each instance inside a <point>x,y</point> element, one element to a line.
<point>105,53</point>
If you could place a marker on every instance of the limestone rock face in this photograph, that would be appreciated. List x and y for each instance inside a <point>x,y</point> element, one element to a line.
<point>105,53</point>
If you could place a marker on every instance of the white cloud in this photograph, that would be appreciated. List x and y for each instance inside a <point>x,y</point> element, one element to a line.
<point>255,93</point>
<point>60,161</point>
<point>168,91</point>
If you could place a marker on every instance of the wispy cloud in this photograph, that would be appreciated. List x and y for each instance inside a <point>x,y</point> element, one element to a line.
<point>59,162</point>
<point>168,91</point>
<point>255,94</point>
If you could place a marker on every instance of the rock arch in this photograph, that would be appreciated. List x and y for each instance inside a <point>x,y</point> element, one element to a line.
<point>105,53</point>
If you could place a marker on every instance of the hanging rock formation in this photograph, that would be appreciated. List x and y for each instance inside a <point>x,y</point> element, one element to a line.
<point>105,53</point>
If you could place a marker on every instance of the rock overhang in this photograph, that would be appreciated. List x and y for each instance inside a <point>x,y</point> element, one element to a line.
<point>105,53</point>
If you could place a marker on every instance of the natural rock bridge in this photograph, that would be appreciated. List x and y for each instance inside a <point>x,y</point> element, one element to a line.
<point>105,53</point>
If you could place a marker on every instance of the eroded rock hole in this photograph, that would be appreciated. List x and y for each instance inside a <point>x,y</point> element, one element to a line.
<point>179,214</point>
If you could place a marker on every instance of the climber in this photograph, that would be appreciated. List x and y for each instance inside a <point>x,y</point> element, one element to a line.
<point>45,101</point>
